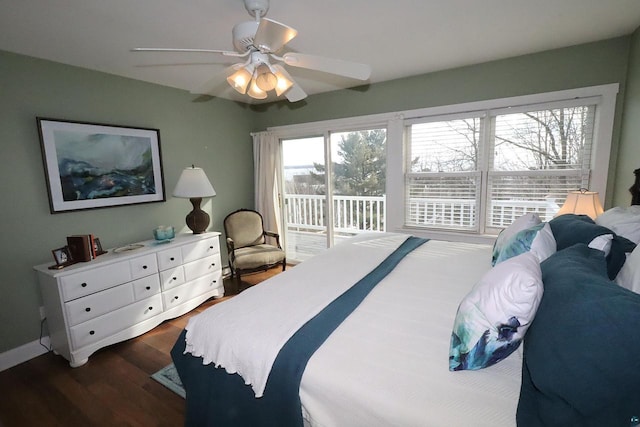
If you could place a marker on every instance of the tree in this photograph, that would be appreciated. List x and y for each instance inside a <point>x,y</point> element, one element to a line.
<point>360,169</point>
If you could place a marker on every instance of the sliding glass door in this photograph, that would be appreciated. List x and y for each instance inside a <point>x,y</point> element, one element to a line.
<point>305,197</point>
<point>334,189</point>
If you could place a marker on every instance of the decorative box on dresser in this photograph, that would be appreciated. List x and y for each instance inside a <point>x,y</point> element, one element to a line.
<point>125,293</point>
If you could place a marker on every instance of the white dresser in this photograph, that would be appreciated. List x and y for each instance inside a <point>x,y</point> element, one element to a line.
<point>121,295</point>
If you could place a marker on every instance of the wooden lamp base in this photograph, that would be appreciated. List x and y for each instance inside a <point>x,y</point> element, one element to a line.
<point>197,220</point>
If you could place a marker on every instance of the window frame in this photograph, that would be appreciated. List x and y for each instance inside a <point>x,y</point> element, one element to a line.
<point>395,122</point>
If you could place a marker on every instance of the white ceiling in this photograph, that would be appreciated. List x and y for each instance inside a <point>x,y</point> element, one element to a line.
<point>398,38</point>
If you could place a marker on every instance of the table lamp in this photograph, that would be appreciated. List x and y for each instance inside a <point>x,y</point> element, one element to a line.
<point>194,185</point>
<point>582,202</point>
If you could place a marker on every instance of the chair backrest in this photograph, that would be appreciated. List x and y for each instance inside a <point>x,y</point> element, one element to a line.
<point>245,227</point>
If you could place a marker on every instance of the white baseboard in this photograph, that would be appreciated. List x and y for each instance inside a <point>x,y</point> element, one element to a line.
<point>21,354</point>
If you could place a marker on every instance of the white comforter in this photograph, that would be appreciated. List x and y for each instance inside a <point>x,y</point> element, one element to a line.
<point>387,364</point>
<point>245,334</point>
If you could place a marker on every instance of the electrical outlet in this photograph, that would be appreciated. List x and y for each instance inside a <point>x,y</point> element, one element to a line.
<point>43,315</point>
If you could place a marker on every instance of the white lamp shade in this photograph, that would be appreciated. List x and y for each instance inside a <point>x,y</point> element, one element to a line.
<point>582,203</point>
<point>193,182</point>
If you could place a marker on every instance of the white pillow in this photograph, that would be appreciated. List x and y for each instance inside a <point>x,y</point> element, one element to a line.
<point>629,275</point>
<point>538,240</point>
<point>493,318</point>
<point>602,243</point>
<point>624,221</point>
<point>521,223</point>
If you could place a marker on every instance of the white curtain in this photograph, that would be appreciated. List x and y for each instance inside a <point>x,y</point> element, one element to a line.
<point>267,164</point>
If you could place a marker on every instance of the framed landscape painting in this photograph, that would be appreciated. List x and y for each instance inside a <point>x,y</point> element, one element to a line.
<point>90,165</point>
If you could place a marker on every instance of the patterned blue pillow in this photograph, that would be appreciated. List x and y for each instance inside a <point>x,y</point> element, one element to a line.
<point>521,223</point>
<point>493,318</point>
<point>537,239</point>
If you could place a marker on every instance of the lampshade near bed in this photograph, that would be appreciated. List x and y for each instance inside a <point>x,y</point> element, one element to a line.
<point>582,202</point>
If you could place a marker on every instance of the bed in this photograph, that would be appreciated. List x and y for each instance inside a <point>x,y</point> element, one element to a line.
<point>266,357</point>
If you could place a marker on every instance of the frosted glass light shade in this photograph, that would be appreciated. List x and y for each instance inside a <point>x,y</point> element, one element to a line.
<point>255,92</point>
<point>582,202</point>
<point>240,80</point>
<point>265,79</point>
<point>193,182</point>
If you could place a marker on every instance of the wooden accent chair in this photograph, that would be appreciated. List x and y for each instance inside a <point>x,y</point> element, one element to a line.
<point>247,244</point>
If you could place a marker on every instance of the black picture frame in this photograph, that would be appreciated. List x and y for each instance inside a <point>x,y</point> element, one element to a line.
<point>62,256</point>
<point>97,247</point>
<point>94,165</point>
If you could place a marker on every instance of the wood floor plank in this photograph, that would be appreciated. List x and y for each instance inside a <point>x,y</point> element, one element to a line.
<point>114,388</point>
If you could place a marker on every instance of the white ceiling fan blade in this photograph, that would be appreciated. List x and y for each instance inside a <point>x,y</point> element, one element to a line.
<point>271,35</point>
<point>170,49</point>
<point>217,83</point>
<point>339,67</point>
<point>295,92</point>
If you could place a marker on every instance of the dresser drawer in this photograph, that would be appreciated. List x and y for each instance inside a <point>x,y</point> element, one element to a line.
<point>172,278</point>
<point>169,258</point>
<point>200,249</point>
<point>88,282</point>
<point>195,269</point>
<point>145,287</point>
<point>180,294</point>
<point>86,308</point>
<point>143,266</point>
<point>104,326</point>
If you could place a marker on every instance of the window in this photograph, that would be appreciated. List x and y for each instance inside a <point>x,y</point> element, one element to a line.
<point>465,171</point>
<point>477,172</point>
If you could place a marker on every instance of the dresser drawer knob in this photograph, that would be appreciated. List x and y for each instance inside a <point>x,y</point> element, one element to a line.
<point>176,297</point>
<point>172,259</point>
<point>92,332</point>
<point>148,288</point>
<point>150,308</point>
<point>174,278</point>
<point>144,267</point>
<point>210,247</point>
<point>84,285</point>
<point>88,309</point>
<point>213,264</point>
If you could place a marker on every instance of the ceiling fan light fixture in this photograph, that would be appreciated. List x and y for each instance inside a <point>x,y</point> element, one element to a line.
<point>265,79</point>
<point>283,85</point>
<point>255,92</point>
<point>240,80</point>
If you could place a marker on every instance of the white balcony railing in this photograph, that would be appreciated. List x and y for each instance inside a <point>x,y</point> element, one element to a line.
<point>353,214</point>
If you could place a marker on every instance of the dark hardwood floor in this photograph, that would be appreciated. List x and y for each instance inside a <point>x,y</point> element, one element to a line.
<point>114,388</point>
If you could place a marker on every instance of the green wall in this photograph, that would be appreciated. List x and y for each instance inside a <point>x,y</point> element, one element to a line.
<point>578,66</point>
<point>629,153</point>
<point>214,135</point>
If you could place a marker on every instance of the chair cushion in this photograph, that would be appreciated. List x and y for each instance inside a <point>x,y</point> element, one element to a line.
<point>257,256</point>
<point>245,228</point>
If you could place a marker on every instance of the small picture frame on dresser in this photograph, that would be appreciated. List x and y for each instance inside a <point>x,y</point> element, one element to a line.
<point>97,247</point>
<point>62,257</point>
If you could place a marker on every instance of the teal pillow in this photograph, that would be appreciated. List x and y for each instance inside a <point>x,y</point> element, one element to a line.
<point>582,351</point>
<point>570,229</point>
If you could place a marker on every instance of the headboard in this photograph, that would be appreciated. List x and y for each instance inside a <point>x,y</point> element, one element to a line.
<point>635,189</point>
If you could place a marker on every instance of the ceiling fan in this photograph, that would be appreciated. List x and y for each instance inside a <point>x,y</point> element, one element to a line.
<point>261,70</point>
